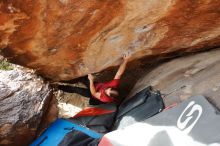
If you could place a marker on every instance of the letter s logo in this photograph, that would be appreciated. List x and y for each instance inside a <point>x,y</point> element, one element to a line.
<point>189,116</point>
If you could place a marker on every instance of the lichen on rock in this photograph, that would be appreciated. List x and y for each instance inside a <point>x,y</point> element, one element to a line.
<point>4,65</point>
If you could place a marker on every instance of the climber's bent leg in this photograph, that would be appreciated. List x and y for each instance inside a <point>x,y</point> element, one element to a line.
<point>82,91</point>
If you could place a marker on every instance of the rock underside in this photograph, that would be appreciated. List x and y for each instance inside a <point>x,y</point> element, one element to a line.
<point>66,39</point>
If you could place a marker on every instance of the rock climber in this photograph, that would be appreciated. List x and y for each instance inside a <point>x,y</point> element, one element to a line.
<point>99,93</point>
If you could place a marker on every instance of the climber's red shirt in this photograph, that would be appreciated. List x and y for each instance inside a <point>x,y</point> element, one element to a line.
<point>100,87</point>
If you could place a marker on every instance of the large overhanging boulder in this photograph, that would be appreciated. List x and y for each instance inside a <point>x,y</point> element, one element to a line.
<point>65,39</point>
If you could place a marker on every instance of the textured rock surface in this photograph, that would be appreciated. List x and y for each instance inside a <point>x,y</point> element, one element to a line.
<point>65,39</point>
<point>23,100</point>
<point>69,104</point>
<point>185,77</point>
<point>1,58</point>
<point>50,116</point>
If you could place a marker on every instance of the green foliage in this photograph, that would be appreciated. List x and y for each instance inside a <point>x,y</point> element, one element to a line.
<point>4,65</point>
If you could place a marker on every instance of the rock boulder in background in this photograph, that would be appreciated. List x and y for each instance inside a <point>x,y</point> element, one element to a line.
<point>24,98</point>
<point>65,39</point>
<point>184,77</point>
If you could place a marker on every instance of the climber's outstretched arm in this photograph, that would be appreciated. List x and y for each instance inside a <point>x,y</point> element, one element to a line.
<point>122,67</point>
<point>92,87</point>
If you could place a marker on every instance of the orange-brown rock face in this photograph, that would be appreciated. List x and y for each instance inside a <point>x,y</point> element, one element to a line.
<point>65,39</point>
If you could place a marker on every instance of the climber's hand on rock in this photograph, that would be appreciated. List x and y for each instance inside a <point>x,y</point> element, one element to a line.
<point>90,77</point>
<point>127,56</point>
<point>54,85</point>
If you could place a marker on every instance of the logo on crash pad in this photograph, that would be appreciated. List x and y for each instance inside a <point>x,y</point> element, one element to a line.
<point>187,121</point>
